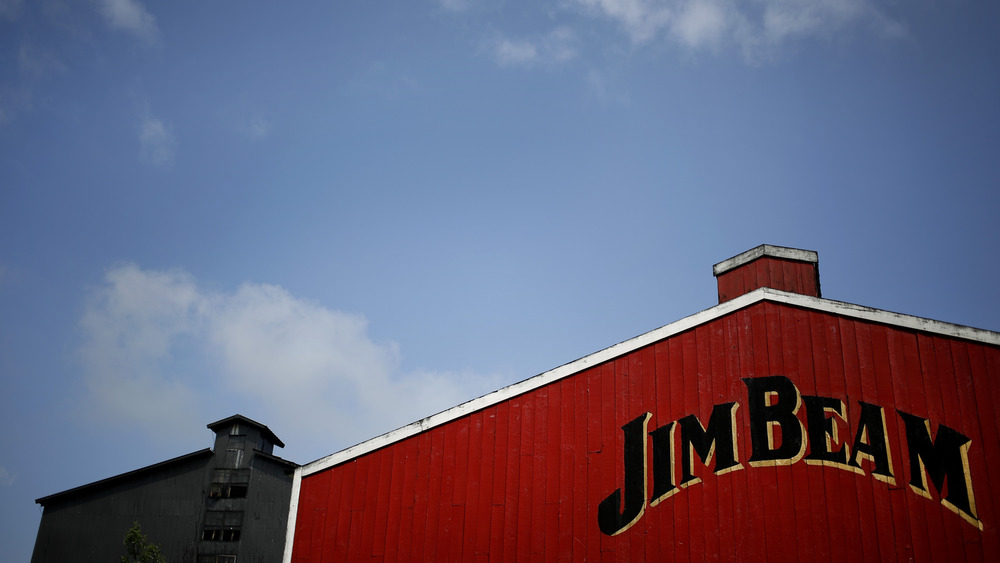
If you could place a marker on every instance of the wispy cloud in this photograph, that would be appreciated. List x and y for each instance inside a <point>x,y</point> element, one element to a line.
<point>37,62</point>
<point>35,65</point>
<point>642,19</point>
<point>791,18</point>
<point>459,6</point>
<point>603,87</point>
<point>156,141</point>
<point>14,101</point>
<point>557,46</point>
<point>160,351</point>
<point>701,24</point>
<point>130,16</point>
<point>513,52</point>
<point>380,81</point>
<point>10,8</point>
<point>455,5</point>
<point>757,28</point>
<point>6,477</point>
<point>258,127</point>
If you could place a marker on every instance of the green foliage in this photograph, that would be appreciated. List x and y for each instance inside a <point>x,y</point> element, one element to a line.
<point>139,548</point>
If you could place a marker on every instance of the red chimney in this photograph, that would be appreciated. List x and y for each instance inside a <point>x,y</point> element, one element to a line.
<point>777,267</point>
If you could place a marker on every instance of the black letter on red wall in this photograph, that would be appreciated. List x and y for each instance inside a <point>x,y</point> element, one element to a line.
<point>823,430</point>
<point>766,414</point>
<point>718,440</point>
<point>871,442</point>
<point>614,517</point>
<point>946,457</point>
<point>663,463</point>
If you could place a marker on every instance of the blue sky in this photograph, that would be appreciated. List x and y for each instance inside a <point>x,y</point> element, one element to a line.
<point>339,217</point>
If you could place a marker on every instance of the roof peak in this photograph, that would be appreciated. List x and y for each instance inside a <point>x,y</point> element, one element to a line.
<point>776,267</point>
<point>239,418</point>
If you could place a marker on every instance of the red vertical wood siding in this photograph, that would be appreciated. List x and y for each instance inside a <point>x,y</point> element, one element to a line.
<point>767,271</point>
<point>521,480</point>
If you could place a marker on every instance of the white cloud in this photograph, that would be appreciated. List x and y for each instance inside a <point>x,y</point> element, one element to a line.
<point>455,5</point>
<point>604,88</point>
<point>381,81</point>
<point>557,46</point>
<point>161,353</point>
<point>258,127</point>
<point>795,18</point>
<point>6,477</point>
<point>130,16</point>
<point>756,27</point>
<point>470,5</point>
<point>510,52</point>
<point>642,19</point>
<point>156,141</point>
<point>130,327</point>
<point>37,62</point>
<point>700,24</point>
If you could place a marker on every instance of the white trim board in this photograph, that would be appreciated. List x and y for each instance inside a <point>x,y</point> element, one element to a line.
<point>765,250</point>
<point>293,514</point>
<point>622,348</point>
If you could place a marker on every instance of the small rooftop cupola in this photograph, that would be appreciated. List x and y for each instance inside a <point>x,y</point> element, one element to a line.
<point>776,267</point>
<point>240,432</point>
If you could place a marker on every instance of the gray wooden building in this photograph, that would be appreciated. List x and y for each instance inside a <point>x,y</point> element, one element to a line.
<point>219,505</point>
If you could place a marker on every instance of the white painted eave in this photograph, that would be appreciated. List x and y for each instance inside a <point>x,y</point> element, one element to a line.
<point>765,250</point>
<point>622,348</point>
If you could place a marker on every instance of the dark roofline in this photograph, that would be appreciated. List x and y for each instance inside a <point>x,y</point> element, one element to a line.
<point>207,452</point>
<point>240,418</point>
<point>275,459</point>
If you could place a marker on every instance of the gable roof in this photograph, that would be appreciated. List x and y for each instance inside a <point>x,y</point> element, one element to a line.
<point>239,418</point>
<point>206,453</point>
<point>759,295</point>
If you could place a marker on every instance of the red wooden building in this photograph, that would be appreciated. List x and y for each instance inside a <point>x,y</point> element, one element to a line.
<point>776,425</point>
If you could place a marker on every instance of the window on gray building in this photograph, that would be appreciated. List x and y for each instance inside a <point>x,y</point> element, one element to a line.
<point>222,525</point>
<point>229,483</point>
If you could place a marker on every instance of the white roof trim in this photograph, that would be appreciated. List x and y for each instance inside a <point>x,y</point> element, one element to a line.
<point>883,317</point>
<point>765,250</point>
<point>622,348</point>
